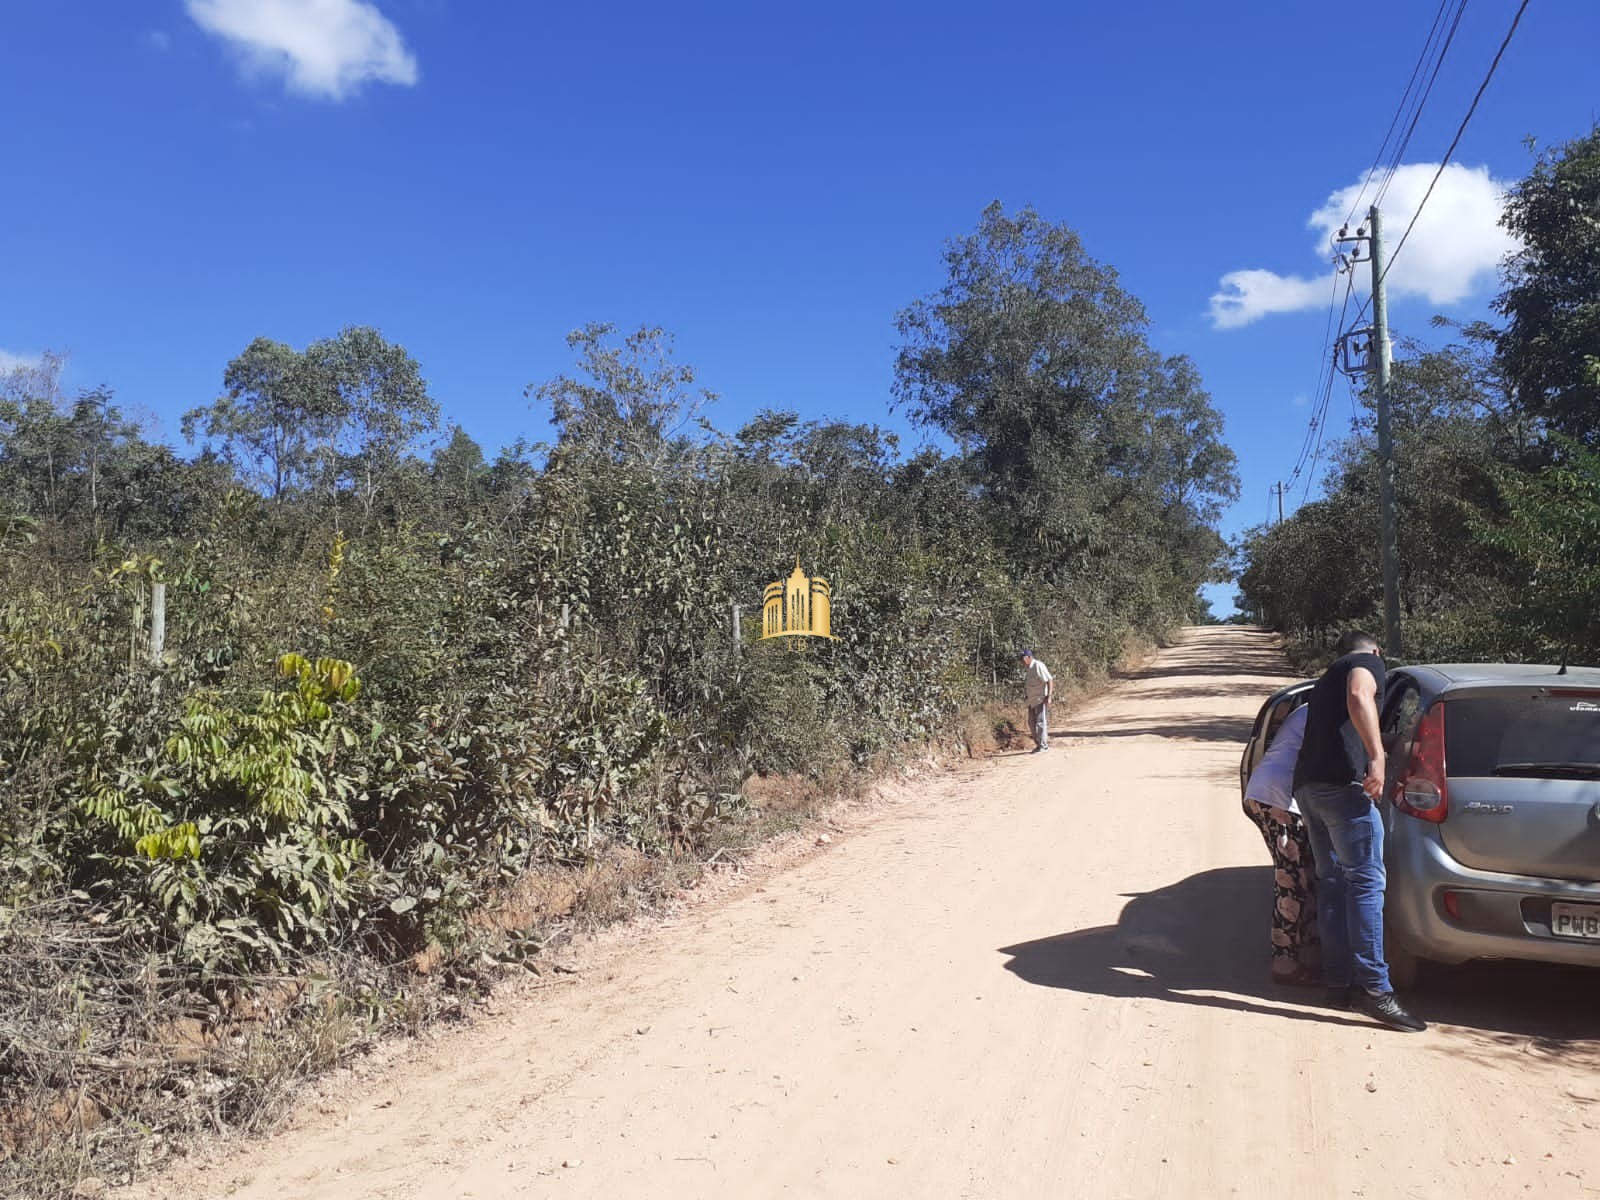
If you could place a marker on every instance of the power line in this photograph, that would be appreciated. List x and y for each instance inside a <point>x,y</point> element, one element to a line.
<point>1324,379</point>
<point>1325,374</point>
<point>1310,434</point>
<point>1327,340</point>
<point>1311,447</point>
<point>1316,451</point>
<point>1406,104</point>
<point>1456,141</point>
<point>1355,413</point>
<point>1449,152</point>
<point>1408,111</point>
<point>1318,425</point>
<point>1416,115</point>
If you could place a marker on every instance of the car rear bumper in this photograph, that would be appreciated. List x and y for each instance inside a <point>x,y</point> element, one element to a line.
<point>1500,916</point>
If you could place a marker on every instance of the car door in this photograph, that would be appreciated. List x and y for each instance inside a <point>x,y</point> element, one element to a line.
<point>1269,719</point>
<point>1403,704</point>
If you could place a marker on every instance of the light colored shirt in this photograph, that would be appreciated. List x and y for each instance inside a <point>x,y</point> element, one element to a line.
<point>1036,678</point>
<point>1272,782</point>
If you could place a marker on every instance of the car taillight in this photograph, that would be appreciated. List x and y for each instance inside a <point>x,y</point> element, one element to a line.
<point>1421,790</point>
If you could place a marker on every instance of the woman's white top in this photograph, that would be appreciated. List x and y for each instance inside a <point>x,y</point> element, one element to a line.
<point>1272,782</point>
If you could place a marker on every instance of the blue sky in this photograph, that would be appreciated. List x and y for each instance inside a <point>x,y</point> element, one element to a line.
<point>478,177</point>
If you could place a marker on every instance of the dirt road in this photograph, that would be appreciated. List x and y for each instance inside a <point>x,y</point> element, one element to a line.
<point>1045,977</point>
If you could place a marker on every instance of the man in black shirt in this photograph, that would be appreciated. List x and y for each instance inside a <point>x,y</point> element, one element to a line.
<point>1337,779</point>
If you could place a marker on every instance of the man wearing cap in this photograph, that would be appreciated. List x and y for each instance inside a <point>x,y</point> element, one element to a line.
<point>1036,681</point>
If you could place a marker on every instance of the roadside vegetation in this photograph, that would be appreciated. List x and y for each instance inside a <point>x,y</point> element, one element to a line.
<point>401,678</point>
<point>1497,450</point>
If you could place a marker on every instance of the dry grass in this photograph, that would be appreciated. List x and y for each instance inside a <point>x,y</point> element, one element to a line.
<point>110,1061</point>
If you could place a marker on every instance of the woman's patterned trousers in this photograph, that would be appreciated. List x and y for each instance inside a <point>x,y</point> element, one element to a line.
<point>1296,949</point>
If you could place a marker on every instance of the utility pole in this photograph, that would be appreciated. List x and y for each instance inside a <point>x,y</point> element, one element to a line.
<point>1278,488</point>
<point>1378,359</point>
<point>1388,532</point>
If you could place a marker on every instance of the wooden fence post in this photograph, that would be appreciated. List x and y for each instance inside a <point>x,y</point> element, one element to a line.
<point>158,621</point>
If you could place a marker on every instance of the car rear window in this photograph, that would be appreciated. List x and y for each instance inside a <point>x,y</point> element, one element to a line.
<point>1484,734</point>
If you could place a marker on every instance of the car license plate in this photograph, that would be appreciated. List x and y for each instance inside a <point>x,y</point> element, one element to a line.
<point>1575,920</point>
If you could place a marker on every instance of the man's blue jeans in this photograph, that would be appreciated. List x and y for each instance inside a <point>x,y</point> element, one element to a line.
<point>1347,838</point>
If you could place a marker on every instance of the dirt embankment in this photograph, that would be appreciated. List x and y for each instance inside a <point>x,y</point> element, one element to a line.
<point>1043,977</point>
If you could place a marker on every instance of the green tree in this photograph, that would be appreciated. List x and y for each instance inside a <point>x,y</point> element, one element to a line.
<point>1016,359</point>
<point>1552,528</point>
<point>1191,465</point>
<point>1103,460</point>
<point>378,408</point>
<point>1453,431</point>
<point>459,473</point>
<point>87,472</point>
<point>1317,570</point>
<point>1551,301</point>
<point>631,402</point>
<point>33,438</point>
<point>268,418</point>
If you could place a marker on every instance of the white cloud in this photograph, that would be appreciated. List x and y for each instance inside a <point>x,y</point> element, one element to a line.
<point>10,362</point>
<point>326,48</point>
<point>1454,249</point>
<point>157,40</point>
<point>1249,295</point>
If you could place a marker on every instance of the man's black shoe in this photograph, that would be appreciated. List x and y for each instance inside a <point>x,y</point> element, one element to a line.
<point>1339,997</point>
<point>1385,1008</point>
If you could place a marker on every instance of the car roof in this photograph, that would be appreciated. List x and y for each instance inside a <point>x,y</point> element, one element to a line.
<point>1510,674</point>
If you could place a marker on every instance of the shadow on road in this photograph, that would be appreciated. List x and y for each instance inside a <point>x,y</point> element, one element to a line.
<point>1218,691</point>
<point>1196,728</point>
<point>1250,655</point>
<point>1208,934</point>
<point>1518,1014</point>
<point>1201,935</point>
<point>1210,669</point>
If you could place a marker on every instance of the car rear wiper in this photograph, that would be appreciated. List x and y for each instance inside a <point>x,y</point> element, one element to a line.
<point>1579,770</point>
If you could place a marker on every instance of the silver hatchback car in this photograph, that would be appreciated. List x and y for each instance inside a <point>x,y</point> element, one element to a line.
<point>1492,814</point>
<point>1492,811</point>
